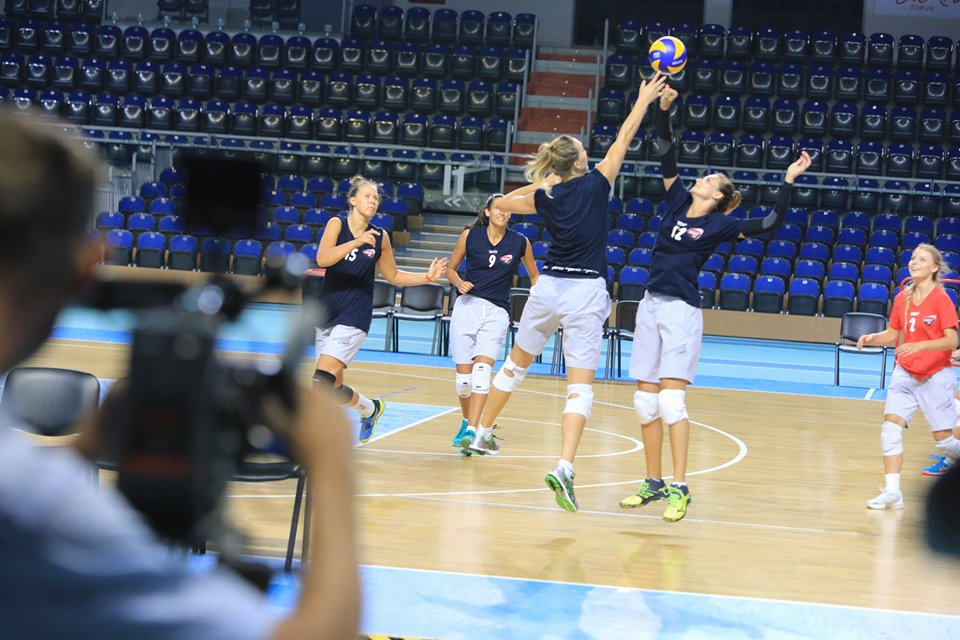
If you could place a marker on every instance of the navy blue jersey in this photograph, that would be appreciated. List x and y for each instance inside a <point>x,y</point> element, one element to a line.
<point>491,267</point>
<point>684,244</point>
<point>347,289</point>
<point>576,216</point>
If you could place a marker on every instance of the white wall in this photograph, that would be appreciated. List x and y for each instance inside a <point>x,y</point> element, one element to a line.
<point>555,16</point>
<point>924,18</point>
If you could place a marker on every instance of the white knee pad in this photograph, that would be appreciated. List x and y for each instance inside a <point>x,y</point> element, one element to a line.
<point>481,378</point>
<point>950,447</point>
<point>891,438</point>
<point>673,405</point>
<point>583,400</point>
<point>506,382</point>
<point>646,405</point>
<point>463,385</point>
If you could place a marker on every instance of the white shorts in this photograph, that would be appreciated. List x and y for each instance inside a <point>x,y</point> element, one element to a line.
<point>934,396</point>
<point>477,328</point>
<point>579,305</point>
<point>667,340</point>
<point>340,342</point>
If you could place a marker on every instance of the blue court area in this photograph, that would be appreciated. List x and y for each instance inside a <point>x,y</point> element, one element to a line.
<point>431,604</point>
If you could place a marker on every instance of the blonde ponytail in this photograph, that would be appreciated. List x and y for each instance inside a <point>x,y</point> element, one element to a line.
<point>555,157</point>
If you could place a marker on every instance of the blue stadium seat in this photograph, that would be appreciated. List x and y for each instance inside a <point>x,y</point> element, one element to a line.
<point>838,297</point>
<point>782,249</point>
<point>879,255</point>
<point>707,283</point>
<point>811,269</point>
<point>856,220</point>
<point>619,238</point>
<point>734,292</point>
<point>872,298</point>
<point>768,294</point>
<point>852,236</point>
<point>715,263</point>
<point>804,296</point>
<point>632,283</point>
<point>776,266</point>
<point>746,265</point>
<point>814,251</point>
<point>847,253</point>
<point>847,271</point>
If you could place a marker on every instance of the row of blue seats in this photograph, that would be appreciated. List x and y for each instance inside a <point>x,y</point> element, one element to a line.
<point>801,297</point>
<point>811,117</point>
<point>278,220</point>
<point>773,44</point>
<point>218,48</point>
<point>274,187</point>
<point>68,10</point>
<point>440,131</point>
<point>817,82</point>
<point>189,253</point>
<point>309,88</point>
<point>780,255</point>
<point>752,151</point>
<point>417,24</point>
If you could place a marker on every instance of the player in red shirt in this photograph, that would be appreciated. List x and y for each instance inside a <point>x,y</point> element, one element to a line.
<point>924,316</point>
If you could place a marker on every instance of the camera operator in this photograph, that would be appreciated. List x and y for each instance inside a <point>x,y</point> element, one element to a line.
<point>80,564</point>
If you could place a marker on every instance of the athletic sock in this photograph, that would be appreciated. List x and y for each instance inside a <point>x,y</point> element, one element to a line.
<point>891,482</point>
<point>364,405</point>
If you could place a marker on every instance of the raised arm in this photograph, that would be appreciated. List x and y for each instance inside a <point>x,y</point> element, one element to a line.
<point>649,90</point>
<point>773,220</point>
<point>664,145</point>
<point>387,265</point>
<point>521,200</point>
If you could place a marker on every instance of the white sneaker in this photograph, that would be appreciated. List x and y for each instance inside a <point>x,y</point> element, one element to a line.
<point>886,500</point>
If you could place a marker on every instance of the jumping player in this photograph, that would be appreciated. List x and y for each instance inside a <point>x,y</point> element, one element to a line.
<point>669,328</point>
<point>571,291</point>
<point>924,317</point>
<point>480,317</point>
<point>352,250</point>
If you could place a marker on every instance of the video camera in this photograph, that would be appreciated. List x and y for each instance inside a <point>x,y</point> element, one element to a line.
<point>186,418</point>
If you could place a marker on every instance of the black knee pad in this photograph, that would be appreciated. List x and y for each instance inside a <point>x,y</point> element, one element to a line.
<point>324,378</point>
<point>343,393</point>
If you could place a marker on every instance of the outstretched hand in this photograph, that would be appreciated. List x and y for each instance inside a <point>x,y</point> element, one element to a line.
<point>667,97</point>
<point>437,268</point>
<point>651,89</point>
<point>798,166</point>
<point>864,340</point>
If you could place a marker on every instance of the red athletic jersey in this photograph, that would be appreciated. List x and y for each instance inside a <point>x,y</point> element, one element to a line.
<point>924,321</point>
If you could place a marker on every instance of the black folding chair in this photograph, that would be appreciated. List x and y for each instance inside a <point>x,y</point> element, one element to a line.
<point>852,326</point>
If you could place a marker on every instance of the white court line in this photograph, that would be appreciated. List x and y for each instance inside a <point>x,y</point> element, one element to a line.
<point>412,424</point>
<point>869,393</point>
<point>637,445</point>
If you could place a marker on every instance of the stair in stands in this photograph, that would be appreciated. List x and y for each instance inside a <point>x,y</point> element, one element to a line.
<point>557,99</point>
<point>435,239</point>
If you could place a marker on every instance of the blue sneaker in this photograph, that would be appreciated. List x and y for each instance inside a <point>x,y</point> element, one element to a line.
<point>369,424</point>
<point>469,435</point>
<point>940,466</point>
<point>457,438</point>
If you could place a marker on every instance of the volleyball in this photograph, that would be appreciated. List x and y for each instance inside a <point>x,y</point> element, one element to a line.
<point>668,55</point>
